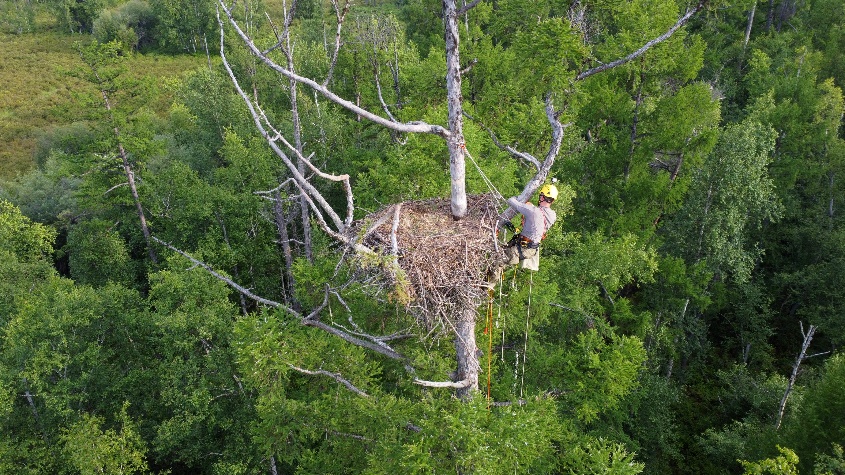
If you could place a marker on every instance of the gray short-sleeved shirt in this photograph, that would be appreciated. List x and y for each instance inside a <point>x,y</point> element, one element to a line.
<point>538,219</point>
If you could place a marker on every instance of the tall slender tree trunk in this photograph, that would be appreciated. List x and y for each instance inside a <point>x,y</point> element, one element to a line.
<point>454,99</point>
<point>467,353</point>
<point>465,345</point>
<point>638,100</point>
<point>770,15</point>
<point>808,337</point>
<point>130,178</point>
<point>305,214</point>
<point>284,241</point>
<point>749,25</point>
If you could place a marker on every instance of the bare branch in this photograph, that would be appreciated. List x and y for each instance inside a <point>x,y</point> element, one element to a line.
<point>230,282</point>
<point>336,376</point>
<point>469,66</point>
<point>394,243</point>
<point>125,183</point>
<point>411,127</point>
<point>507,148</point>
<point>469,6</point>
<point>300,180</point>
<point>518,402</point>
<point>373,343</point>
<point>636,54</point>
<point>380,96</point>
<point>543,172</point>
<point>274,190</point>
<point>340,15</point>
<point>808,337</point>
<point>444,384</point>
<point>378,347</point>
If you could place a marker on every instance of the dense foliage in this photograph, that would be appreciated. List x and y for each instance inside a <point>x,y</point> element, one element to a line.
<point>661,334</point>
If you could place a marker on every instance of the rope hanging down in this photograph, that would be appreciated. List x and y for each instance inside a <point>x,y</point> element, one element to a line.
<point>489,332</point>
<point>493,189</point>
<point>527,318</point>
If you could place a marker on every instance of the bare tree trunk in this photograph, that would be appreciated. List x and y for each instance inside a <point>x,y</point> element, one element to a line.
<point>808,337</point>
<point>467,353</point>
<point>830,201</point>
<point>677,169</point>
<point>128,171</point>
<point>284,242</point>
<point>297,133</point>
<point>748,26</point>
<point>455,141</point>
<point>130,177</point>
<point>303,201</point>
<point>31,402</point>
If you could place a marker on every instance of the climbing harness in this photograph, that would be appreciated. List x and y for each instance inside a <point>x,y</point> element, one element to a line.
<point>520,242</point>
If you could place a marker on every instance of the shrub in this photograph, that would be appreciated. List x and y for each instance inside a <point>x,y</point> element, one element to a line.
<point>130,24</point>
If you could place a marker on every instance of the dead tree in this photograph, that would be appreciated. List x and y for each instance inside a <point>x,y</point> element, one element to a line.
<point>453,309</point>
<point>802,355</point>
<point>95,60</point>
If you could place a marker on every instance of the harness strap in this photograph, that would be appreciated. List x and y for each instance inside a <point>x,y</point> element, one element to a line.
<point>546,224</point>
<point>521,241</point>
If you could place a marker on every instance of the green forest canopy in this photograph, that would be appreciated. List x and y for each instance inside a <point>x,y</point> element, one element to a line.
<point>701,250</point>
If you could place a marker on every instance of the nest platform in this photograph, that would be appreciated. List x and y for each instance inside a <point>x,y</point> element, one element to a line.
<point>437,266</point>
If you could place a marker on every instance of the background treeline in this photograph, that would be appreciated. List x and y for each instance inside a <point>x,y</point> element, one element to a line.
<point>704,244</point>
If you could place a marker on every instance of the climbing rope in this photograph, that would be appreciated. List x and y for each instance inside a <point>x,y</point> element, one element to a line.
<point>499,306</point>
<point>493,189</point>
<point>525,347</point>
<point>489,332</point>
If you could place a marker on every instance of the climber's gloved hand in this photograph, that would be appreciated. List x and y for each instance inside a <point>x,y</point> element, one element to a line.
<point>510,227</point>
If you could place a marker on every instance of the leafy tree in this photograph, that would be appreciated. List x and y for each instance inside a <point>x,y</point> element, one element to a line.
<point>93,450</point>
<point>784,464</point>
<point>732,198</point>
<point>98,255</point>
<point>18,16</point>
<point>830,464</point>
<point>131,24</point>
<point>817,424</point>
<point>183,25</point>
<point>77,17</point>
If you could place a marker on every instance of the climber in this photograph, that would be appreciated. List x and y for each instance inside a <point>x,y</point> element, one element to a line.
<point>524,248</point>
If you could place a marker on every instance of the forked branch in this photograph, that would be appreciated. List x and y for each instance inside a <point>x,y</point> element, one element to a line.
<point>636,54</point>
<point>409,127</point>
<point>546,165</point>
<point>336,376</point>
<point>370,342</point>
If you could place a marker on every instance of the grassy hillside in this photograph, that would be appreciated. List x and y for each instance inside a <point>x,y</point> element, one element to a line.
<point>36,93</point>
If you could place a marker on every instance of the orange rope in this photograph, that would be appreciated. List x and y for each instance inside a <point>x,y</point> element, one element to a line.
<point>489,331</point>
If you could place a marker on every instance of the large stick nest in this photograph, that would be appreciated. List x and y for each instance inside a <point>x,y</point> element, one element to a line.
<point>435,266</point>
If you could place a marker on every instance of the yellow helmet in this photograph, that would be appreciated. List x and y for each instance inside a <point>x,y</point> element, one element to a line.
<point>549,191</point>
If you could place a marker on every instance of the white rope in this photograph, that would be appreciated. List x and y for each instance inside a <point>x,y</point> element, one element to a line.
<point>527,317</point>
<point>493,189</point>
<point>501,279</point>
